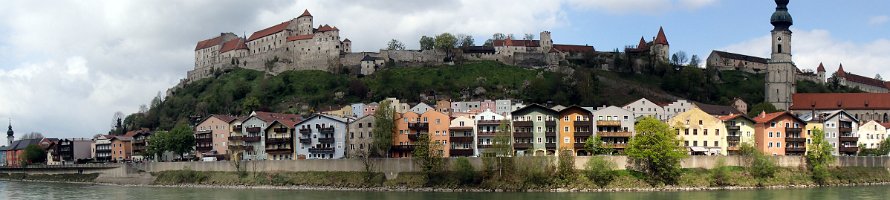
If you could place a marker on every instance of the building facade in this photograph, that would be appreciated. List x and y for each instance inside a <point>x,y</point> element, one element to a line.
<point>739,131</point>
<point>279,140</point>
<point>781,73</point>
<point>643,107</point>
<point>871,134</point>
<point>212,135</point>
<point>614,126</point>
<point>779,133</point>
<point>574,129</point>
<point>322,137</point>
<point>487,124</point>
<point>463,139</point>
<point>534,130</point>
<point>360,137</point>
<point>700,132</point>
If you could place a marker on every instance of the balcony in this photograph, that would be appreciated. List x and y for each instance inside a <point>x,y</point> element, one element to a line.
<point>461,139</point>
<point>488,122</point>
<point>523,124</point>
<point>255,138</point>
<point>583,134</point>
<point>204,148</point>
<point>523,135</point>
<point>549,134</point>
<point>283,150</point>
<point>461,152</point>
<point>615,134</point>
<point>237,128</point>
<point>203,140</point>
<point>326,130</point>
<point>845,130</point>
<point>616,145</point>
<point>103,150</point>
<point>203,132</point>
<point>280,130</point>
<point>241,147</point>
<point>326,140</point>
<point>732,148</point>
<point>418,126</point>
<point>848,138</point>
<point>461,128</point>
<point>253,129</point>
<point>321,150</point>
<point>550,145</point>
<point>305,131</point>
<point>286,140</point>
<point>733,138</point>
<point>793,130</point>
<point>583,123</point>
<point>851,149</point>
<point>733,128</point>
<point>485,146</point>
<point>795,139</point>
<point>403,147</point>
<point>522,145</point>
<point>485,133</point>
<point>795,149</point>
<point>608,123</point>
<point>305,140</point>
<point>551,123</point>
<point>235,138</point>
<point>413,136</point>
<point>579,146</point>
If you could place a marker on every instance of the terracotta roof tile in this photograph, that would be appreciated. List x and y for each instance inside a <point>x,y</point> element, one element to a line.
<point>209,43</point>
<point>306,13</point>
<point>516,43</point>
<point>886,125</point>
<point>642,44</point>
<point>859,79</point>
<point>820,68</point>
<point>835,101</point>
<point>268,31</point>
<point>326,28</point>
<point>233,45</point>
<point>300,37</point>
<point>764,118</point>
<point>270,117</point>
<point>573,48</point>
<point>661,38</point>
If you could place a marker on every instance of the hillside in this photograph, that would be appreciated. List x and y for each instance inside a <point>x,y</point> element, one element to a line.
<point>239,91</point>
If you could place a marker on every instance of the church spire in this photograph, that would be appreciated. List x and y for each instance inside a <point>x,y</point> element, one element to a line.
<point>9,131</point>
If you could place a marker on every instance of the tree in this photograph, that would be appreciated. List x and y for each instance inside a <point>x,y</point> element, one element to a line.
<point>878,77</point>
<point>427,155</point>
<point>395,45</point>
<point>117,124</point>
<point>32,135</point>
<point>250,104</point>
<point>33,154</point>
<point>182,139</point>
<point>157,100</point>
<point>466,40</point>
<point>595,146</point>
<point>694,61</point>
<point>762,107</point>
<point>565,170</point>
<point>657,151</point>
<point>528,36</point>
<point>464,171</point>
<point>427,43</point>
<point>446,42</point>
<point>600,171</point>
<point>158,144</point>
<point>819,156</point>
<point>384,119</point>
<point>679,58</point>
<point>498,36</point>
<point>501,143</point>
<point>720,173</point>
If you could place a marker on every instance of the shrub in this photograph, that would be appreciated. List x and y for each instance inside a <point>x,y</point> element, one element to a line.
<point>762,167</point>
<point>720,174</point>
<point>600,171</point>
<point>565,169</point>
<point>533,171</point>
<point>820,174</point>
<point>465,172</point>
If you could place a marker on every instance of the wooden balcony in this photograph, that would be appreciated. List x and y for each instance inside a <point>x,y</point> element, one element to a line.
<point>523,135</point>
<point>326,130</point>
<point>419,126</point>
<point>321,150</point>
<point>845,130</point>
<point>583,134</point>
<point>485,146</point>
<point>253,129</point>
<point>461,139</point>
<point>286,140</point>
<point>523,124</point>
<point>608,123</point>
<point>795,149</point>
<point>255,138</point>
<point>550,145</point>
<point>522,145</point>
<point>461,128</point>
<point>848,150</point>
<point>237,128</point>
<point>849,138</point>
<point>616,146</point>
<point>795,139</point>
<point>403,147</point>
<point>615,134</point>
<point>326,140</point>
<point>732,148</point>
<point>305,140</point>
<point>482,133</point>
<point>551,123</point>
<point>461,152</point>
<point>413,136</point>
<point>733,138</point>
<point>203,148</point>
<point>793,130</point>
<point>488,122</point>
<point>549,134</point>
<point>280,130</point>
<point>578,146</point>
<point>733,128</point>
<point>203,132</point>
<point>279,151</point>
<point>235,138</point>
<point>240,147</point>
<point>204,140</point>
<point>583,123</point>
<point>305,131</point>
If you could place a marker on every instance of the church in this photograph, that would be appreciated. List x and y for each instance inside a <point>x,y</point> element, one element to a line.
<point>780,70</point>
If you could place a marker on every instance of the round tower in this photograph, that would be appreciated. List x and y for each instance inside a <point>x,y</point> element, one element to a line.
<point>546,42</point>
<point>304,23</point>
<point>781,71</point>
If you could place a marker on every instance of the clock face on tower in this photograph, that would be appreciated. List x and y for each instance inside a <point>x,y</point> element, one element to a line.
<point>779,38</point>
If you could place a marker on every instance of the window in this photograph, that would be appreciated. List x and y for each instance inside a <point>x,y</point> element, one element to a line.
<point>566,129</point>
<point>706,132</point>
<point>705,143</point>
<point>778,134</point>
<point>778,144</point>
<point>566,140</point>
<point>700,123</point>
<point>770,134</point>
<point>717,143</point>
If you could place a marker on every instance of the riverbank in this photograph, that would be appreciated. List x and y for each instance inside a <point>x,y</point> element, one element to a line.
<point>624,181</point>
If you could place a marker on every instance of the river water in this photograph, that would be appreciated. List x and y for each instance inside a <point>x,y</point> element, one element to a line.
<point>34,190</point>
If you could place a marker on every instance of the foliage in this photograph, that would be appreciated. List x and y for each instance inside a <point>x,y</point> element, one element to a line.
<point>180,140</point>
<point>762,107</point>
<point>32,135</point>
<point>427,43</point>
<point>595,146</point>
<point>600,171</point>
<point>395,45</point>
<point>250,104</point>
<point>501,144</point>
<point>882,150</point>
<point>464,171</point>
<point>428,156</point>
<point>720,174</point>
<point>819,156</point>
<point>446,42</point>
<point>384,124</point>
<point>657,151</point>
<point>534,171</point>
<point>761,167</point>
<point>565,168</point>
<point>33,154</point>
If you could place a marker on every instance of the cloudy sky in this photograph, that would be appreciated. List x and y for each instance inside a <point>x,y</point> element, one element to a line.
<point>67,66</point>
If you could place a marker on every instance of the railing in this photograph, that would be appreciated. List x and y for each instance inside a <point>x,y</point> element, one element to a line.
<point>550,145</point>
<point>413,136</point>
<point>522,145</point>
<point>484,146</point>
<point>486,133</point>
<point>204,148</point>
<point>608,123</point>
<point>848,139</point>
<point>203,140</point>
<point>403,147</point>
<point>325,140</point>
<point>326,130</point>
<point>283,150</point>
<point>845,129</point>
<point>733,138</point>
<point>614,134</point>
<point>731,127</point>
<point>203,131</point>
<point>489,122</point>
<point>795,139</point>
<point>253,129</point>
<point>418,125</point>
<point>522,124</point>
<point>793,130</point>
<point>583,134</point>
<point>251,138</point>
<point>549,134</point>
<point>795,149</point>
<point>461,139</point>
<point>305,131</point>
<point>616,145</point>
<point>461,128</point>
<point>286,140</point>
<point>582,123</point>
<point>321,150</point>
<point>550,123</point>
<point>305,140</point>
<point>235,138</point>
<point>579,146</point>
<point>280,130</point>
<point>523,134</point>
<point>848,149</point>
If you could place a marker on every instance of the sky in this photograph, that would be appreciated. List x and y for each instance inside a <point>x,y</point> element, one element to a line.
<point>67,66</point>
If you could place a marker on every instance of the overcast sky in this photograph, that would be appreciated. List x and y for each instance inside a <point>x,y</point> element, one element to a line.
<point>67,66</point>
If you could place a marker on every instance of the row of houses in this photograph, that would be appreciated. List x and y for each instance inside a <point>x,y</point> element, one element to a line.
<point>60,151</point>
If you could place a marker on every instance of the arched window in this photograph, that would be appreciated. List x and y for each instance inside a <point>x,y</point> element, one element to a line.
<point>780,48</point>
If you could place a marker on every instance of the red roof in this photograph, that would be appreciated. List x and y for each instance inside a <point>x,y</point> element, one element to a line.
<point>233,45</point>
<point>836,101</point>
<point>661,39</point>
<point>820,68</point>
<point>517,43</point>
<point>306,13</point>
<point>573,48</point>
<point>225,118</point>
<point>859,79</point>
<point>268,31</point>
<point>886,125</point>
<point>642,44</point>
<point>270,117</point>
<point>300,37</point>
<point>209,43</point>
<point>767,117</point>
<point>286,122</point>
<point>326,28</point>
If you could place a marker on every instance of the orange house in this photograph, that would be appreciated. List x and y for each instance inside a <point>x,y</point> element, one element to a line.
<point>439,124</point>
<point>410,125</point>
<point>574,129</point>
<point>121,148</point>
<point>779,133</point>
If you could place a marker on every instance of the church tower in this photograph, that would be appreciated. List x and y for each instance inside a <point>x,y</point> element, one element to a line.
<point>9,134</point>
<point>781,71</point>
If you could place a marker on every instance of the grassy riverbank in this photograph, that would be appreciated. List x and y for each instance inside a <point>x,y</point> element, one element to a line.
<point>623,179</point>
<point>50,177</point>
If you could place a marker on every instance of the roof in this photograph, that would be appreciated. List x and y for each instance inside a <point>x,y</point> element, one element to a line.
<point>233,45</point>
<point>734,116</point>
<point>534,105</point>
<point>886,125</point>
<point>642,44</point>
<point>516,43</point>
<point>268,31</point>
<point>203,44</point>
<point>370,58</point>
<point>326,28</point>
<point>270,117</point>
<point>306,13</point>
<point>340,119</point>
<point>226,118</point>
<point>300,37</point>
<point>21,144</point>
<point>122,138</point>
<point>859,79</point>
<point>347,40</point>
<point>573,48</point>
<point>820,68</point>
<point>661,38</point>
<point>574,107</point>
<point>835,101</point>
<point>717,109</point>
<point>286,122</point>
<point>736,56</point>
<point>767,117</point>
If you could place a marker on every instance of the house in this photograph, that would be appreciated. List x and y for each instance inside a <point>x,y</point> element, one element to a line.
<point>370,108</point>
<point>279,139</point>
<point>871,134</point>
<point>574,128</point>
<point>65,149</point>
<point>740,105</point>
<point>862,106</point>
<point>700,132</point>
<point>82,149</point>
<point>718,110</point>
<point>739,130</point>
<point>614,126</point>
<point>358,110</point>
<point>321,137</point>
<point>370,65</point>
<point>421,108</point>
<point>503,107</point>
<point>16,150</point>
<point>121,148</point>
<point>443,106</point>
<point>140,144</point>
<point>462,133</point>
<point>487,124</point>
<point>360,138</point>
<point>534,130</point>
<point>411,125</point>
<point>102,148</point>
<point>772,130</point>
<point>643,107</point>
<point>252,132</point>
<point>676,107</point>
<point>211,137</point>
<point>3,155</point>
<point>841,131</point>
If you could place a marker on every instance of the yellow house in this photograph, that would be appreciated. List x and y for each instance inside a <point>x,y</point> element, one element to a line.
<point>811,126</point>
<point>701,132</point>
<point>739,130</point>
<point>344,112</point>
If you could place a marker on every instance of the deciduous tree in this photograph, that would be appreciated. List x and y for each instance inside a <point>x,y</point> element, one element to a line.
<point>657,151</point>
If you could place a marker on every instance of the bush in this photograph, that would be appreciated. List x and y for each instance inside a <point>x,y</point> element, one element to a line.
<point>820,174</point>
<point>534,171</point>
<point>465,172</point>
<point>762,167</point>
<point>720,174</point>
<point>600,171</point>
<point>565,169</point>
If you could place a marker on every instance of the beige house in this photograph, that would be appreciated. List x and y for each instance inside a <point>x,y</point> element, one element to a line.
<point>871,134</point>
<point>701,132</point>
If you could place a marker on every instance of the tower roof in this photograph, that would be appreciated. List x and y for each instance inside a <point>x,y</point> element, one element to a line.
<point>661,39</point>
<point>10,132</point>
<point>781,19</point>
<point>306,13</point>
<point>642,44</point>
<point>840,70</point>
<point>820,68</point>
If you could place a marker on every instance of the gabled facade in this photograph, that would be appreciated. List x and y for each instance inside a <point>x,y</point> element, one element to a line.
<point>841,131</point>
<point>322,137</point>
<point>644,107</point>
<point>280,140</point>
<point>252,133</point>
<point>779,133</point>
<point>487,124</point>
<point>614,126</point>
<point>463,138</point>
<point>739,130</point>
<point>121,148</point>
<point>871,134</point>
<point>421,108</point>
<point>102,148</point>
<point>211,135</point>
<point>360,138</point>
<point>676,107</point>
<point>700,132</point>
<point>534,130</point>
<point>574,129</point>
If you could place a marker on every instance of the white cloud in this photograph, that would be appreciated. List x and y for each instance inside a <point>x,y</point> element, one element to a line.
<point>639,6</point>
<point>878,20</point>
<point>810,47</point>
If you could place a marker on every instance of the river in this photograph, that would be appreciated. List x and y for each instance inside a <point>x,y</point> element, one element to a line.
<point>35,190</point>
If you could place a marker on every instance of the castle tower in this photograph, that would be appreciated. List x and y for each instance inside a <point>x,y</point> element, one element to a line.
<point>781,71</point>
<point>546,42</point>
<point>10,134</point>
<point>660,47</point>
<point>304,23</point>
<point>820,72</point>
